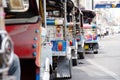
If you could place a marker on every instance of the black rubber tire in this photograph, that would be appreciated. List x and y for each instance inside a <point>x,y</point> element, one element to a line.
<point>74,62</point>
<point>96,52</point>
<point>81,55</point>
<point>53,75</point>
<point>70,68</point>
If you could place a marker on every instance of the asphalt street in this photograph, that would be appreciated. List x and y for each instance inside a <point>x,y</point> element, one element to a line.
<point>102,66</point>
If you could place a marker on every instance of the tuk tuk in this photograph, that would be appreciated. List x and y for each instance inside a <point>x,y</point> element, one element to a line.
<point>90,32</point>
<point>90,38</point>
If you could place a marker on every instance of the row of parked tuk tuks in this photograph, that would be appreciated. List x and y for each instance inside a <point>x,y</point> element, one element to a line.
<point>49,36</point>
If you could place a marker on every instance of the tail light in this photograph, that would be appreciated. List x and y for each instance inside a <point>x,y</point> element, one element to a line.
<point>71,42</point>
<point>88,37</point>
<point>94,37</point>
<point>60,46</point>
<point>77,39</point>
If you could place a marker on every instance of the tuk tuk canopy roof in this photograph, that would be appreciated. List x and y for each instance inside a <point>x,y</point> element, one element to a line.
<point>57,4</point>
<point>88,13</point>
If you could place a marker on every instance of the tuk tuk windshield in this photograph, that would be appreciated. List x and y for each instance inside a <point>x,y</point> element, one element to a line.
<point>90,31</point>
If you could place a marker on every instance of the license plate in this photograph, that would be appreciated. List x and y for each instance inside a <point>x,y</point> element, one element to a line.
<point>86,46</point>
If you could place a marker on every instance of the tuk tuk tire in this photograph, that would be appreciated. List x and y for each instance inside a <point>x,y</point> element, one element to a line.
<point>74,62</point>
<point>96,52</point>
<point>70,68</point>
<point>53,75</point>
<point>81,55</point>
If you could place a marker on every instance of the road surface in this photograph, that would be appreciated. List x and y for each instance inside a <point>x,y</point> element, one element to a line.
<point>102,66</point>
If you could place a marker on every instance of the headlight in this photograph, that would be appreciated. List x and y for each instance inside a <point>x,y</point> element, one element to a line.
<point>6,51</point>
<point>8,55</point>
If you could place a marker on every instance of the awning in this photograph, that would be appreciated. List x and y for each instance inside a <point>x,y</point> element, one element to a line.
<point>103,6</point>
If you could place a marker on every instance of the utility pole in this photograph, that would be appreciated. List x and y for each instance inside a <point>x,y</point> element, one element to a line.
<point>78,3</point>
<point>65,19</point>
<point>45,24</point>
<point>92,4</point>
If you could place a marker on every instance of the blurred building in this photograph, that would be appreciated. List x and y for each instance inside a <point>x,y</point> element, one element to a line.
<point>87,4</point>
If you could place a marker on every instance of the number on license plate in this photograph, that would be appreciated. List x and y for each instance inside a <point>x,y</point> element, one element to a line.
<point>86,47</point>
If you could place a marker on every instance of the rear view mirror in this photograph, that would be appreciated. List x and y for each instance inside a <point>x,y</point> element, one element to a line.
<point>17,5</point>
